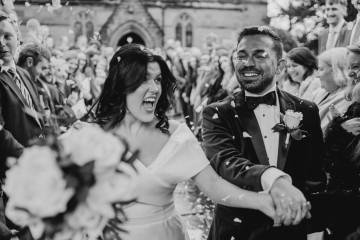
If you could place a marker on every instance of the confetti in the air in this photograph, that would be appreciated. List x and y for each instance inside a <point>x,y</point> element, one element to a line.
<point>247,168</point>
<point>215,116</point>
<point>67,3</point>
<point>236,116</point>
<point>217,108</point>
<point>241,196</point>
<point>187,116</point>
<point>225,198</point>
<point>232,238</point>
<point>227,163</point>
<point>56,4</point>
<point>40,7</point>
<point>264,54</point>
<point>70,82</point>
<point>87,11</point>
<point>233,137</point>
<point>119,59</point>
<point>261,28</point>
<point>232,103</point>
<point>11,161</point>
<point>27,4</point>
<point>246,135</point>
<point>142,47</point>
<point>207,85</point>
<point>237,220</point>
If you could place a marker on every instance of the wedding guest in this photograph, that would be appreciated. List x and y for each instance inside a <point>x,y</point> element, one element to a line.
<point>137,94</point>
<point>342,142</point>
<point>243,148</point>
<point>19,100</point>
<point>351,33</point>
<point>33,31</point>
<point>334,15</point>
<point>333,76</point>
<point>35,58</point>
<point>301,65</point>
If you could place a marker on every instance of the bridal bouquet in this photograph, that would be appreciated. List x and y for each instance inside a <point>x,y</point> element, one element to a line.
<point>71,188</point>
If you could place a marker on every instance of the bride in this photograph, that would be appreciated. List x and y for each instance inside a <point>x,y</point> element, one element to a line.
<point>136,95</point>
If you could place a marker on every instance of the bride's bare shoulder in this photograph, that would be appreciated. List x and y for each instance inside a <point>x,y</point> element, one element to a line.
<point>173,125</point>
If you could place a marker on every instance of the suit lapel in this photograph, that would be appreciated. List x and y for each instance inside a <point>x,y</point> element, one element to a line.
<point>285,104</point>
<point>250,123</point>
<point>324,39</point>
<point>30,88</point>
<point>12,85</point>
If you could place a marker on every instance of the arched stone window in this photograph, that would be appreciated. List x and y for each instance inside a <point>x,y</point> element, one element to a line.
<point>84,24</point>
<point>184,30</point>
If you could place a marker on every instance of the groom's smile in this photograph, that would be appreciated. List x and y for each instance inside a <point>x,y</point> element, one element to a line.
<point>256,63</point>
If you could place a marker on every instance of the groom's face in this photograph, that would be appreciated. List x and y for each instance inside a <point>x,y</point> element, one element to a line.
<point>256,63</point>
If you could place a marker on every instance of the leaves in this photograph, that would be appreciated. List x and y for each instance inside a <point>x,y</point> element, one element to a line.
<point>279,127</point>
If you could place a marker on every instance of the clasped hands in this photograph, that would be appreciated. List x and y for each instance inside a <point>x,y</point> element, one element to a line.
<point>289,203</point>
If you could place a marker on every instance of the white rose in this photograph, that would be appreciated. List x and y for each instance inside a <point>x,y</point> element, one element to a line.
<point>91,143</point>
<point>292,119</point>
<point>37,184</point>
<point>20,217</point>
<point>85,218</point>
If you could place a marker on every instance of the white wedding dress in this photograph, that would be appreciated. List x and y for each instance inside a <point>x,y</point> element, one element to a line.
<point>153,215</point>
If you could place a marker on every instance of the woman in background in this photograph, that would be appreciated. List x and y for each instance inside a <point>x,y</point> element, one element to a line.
<point>332,73</point>
<point>301,65</point>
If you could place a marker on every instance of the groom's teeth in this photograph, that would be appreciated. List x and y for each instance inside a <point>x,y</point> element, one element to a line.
<point>250,74</point>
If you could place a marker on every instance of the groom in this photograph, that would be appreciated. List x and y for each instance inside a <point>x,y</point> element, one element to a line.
<point>243,149</point>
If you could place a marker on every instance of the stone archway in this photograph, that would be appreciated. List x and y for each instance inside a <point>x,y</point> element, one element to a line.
<point>131,27</point>
<point>130,38</point>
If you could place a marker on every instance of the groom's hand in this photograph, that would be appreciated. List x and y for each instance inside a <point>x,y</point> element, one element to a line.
<point>289,202</point>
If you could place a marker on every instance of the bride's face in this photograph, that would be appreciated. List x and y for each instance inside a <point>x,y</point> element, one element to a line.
<point>141,104</point>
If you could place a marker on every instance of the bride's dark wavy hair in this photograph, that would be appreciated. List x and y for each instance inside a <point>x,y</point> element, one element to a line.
<point>127,71</point>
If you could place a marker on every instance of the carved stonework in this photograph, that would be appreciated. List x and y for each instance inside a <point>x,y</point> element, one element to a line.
<point>131,17</point>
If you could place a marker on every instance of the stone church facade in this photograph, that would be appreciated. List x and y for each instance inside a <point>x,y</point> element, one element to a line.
<point>149,22</point>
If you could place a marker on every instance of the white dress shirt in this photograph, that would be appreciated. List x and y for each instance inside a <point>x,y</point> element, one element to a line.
<point>267,117</point>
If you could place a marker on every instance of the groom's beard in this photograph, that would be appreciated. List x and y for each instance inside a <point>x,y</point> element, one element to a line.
<point>256,86</point>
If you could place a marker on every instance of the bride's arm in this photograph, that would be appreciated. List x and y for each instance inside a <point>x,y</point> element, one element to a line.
<point>226,193</point>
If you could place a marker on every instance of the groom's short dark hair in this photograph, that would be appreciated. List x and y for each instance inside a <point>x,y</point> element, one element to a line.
<point>266,31</point>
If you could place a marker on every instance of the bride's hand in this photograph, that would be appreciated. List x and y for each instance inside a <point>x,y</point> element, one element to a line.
<point>268,208</point>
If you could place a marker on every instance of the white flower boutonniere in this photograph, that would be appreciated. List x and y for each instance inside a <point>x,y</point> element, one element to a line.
<point>290,122</point>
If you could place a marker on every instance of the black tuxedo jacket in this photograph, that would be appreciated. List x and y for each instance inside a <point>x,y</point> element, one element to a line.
<point>21,124</point>
<point>241,160</point>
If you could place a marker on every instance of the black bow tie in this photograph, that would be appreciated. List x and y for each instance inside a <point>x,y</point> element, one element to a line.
<point>269,99</point>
